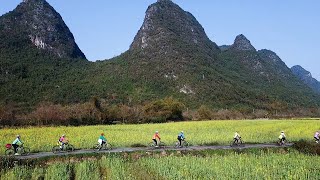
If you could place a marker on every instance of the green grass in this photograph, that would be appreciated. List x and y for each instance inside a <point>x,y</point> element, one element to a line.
<point>197,133</point>
<point>257,164</point>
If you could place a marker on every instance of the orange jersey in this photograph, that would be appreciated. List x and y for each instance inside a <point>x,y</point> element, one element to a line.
<point>155,136</point>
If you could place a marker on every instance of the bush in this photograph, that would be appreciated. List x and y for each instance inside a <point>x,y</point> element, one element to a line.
<point>49,114</point>
<point>228,114</point>
<point>204,113</point>
<point>163,110</point>
<point>7,115</point>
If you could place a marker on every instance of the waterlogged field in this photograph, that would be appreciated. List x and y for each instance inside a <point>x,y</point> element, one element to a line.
<point>197,133</point>
<point>263,164</point>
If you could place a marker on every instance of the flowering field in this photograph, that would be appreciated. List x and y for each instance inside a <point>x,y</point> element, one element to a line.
<point>197,133</point>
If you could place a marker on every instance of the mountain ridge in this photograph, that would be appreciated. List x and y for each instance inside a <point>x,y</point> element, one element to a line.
<point>306,77</point>
<point>171,56</point>
<point>38,22</point>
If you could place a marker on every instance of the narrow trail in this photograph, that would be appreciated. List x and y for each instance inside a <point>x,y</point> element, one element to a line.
<point>121,150</point>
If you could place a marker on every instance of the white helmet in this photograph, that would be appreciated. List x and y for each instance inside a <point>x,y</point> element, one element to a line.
<point>18,136</point>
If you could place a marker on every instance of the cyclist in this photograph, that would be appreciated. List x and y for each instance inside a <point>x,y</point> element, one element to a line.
<point>317,136</point>
<point>155,137</point>
<point>181,138</point>
<point>282,137</point>
<point>236,137</point>
<point>16,143</point>
<point>102,140</point>
<point>62,141</point>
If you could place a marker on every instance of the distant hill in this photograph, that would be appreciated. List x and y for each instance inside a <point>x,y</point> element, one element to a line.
<point>36,50</point>
<point>171,55</point>
<point>306,77</point>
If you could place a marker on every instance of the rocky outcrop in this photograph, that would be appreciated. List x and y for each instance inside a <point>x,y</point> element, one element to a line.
<point>241,43</point>
<point>37,21</point>
<point>168,29</point>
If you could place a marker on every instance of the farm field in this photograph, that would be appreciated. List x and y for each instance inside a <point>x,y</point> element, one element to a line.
<point>197,133</point>
<point>253,164</point>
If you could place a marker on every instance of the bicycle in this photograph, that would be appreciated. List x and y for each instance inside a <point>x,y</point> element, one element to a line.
<point>184,144</point>
<point>21,150</point>
<point>99,147</point>
<point>282,142</point>
<point>66,148</point>
<point>238,142</point>
<point>160,144</point>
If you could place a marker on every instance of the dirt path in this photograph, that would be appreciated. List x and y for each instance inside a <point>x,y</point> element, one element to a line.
<point>120,150</point>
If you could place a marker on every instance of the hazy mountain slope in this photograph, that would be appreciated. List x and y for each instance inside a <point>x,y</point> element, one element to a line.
<point>306,77</point>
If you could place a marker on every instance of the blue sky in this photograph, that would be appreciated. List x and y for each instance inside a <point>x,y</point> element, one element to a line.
<point>104,29</point>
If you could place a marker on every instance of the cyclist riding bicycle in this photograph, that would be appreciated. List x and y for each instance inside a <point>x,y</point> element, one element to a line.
<point>62,141</point>
<point>102,140</point>
<point>155,137</point>
<point>282,137</point>
<point>317,136</point>
<point>181,138</point>
<point>236,137</point>
<point>16,144</point>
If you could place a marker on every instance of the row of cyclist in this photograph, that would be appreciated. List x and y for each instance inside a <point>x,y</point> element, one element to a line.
<point>236,138</point>
<point>155,138</point>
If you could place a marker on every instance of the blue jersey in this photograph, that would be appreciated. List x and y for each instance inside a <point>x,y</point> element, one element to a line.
<point>181,135</point>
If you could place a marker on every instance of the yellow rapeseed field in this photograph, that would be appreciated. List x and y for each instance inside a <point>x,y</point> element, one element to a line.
<point>197,133</point>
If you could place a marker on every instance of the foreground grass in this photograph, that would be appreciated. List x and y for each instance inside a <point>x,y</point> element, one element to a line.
<point>198,133</point>
<point>261,164</point>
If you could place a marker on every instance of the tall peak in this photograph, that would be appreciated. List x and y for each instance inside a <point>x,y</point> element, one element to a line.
<point>241,43</point>
<point>166,27</point>
<point>37,21</point>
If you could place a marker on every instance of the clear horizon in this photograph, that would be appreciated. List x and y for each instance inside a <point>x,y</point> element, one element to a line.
<point>104,30</point>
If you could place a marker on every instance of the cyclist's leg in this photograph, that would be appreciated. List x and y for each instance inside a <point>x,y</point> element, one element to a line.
<point>180,141</point>
<point>15,147</point>
<point>155,142</point>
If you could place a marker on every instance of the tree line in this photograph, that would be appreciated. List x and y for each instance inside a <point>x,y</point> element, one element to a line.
<point>99,111</point>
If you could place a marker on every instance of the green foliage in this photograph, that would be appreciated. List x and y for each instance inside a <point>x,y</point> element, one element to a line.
<point>59,171</point>
<point>164,110</point>
<point>218,80</point>
<point>228,164</point>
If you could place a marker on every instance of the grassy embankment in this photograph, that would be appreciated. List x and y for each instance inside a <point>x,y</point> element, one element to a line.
<point>247,164</point>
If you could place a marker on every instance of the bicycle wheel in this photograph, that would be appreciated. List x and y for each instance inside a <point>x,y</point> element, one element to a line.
<point>185,144</point>
<point>25,151</point>
<point>151,144</point>
<point>96,147</point>
<point>162,144</point>
<point>108,146</point>
<point>176,144</point>
<point>69,148</point>
<point>241,143</point>
<point>9,152</point>
<point>232,143</point>
<point>56,149</point>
